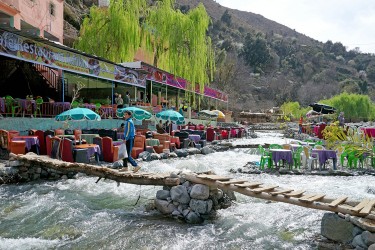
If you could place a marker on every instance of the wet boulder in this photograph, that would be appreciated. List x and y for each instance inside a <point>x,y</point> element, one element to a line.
<point>180,194</point>
<point>200,192</point>
<point>164,207</point>
<point>201,206</point>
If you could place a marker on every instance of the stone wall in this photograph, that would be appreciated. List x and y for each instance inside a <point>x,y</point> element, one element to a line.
<point>18,172</point>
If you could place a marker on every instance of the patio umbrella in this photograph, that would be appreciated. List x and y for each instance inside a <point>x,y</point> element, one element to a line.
<point>219,113</point>
<point>78,114</point>
<point>138,113</point>
<point>171,115</point>
<point>323,108</point>
<point>207,113</point>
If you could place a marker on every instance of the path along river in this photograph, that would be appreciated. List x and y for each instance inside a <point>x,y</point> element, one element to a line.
<point>79,214</point>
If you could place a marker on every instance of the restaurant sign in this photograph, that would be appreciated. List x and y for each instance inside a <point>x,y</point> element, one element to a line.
<point>18,47</point>
<point>162,77</point>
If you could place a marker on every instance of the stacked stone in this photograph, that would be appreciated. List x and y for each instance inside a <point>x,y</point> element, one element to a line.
<point>192,203</point>
<point>16,171</point>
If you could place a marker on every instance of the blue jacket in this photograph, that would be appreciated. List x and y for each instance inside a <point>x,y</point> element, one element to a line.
<point>129,129</point>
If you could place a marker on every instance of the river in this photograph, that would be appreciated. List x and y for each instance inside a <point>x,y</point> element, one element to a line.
<point>80,214</point>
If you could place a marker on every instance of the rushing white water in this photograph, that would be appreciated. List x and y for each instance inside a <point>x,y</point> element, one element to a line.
<point>80,214</point>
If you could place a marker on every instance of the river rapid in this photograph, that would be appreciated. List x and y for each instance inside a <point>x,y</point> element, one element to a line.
<point>80,214</point>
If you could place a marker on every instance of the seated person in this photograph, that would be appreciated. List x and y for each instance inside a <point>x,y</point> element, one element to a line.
<point>121,128</point>
<point>166,127</point>
<point>159,127</point>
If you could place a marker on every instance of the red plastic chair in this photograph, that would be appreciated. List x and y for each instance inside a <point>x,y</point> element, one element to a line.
<point>139,145</point>
<point>18,147</point>
<point>210,134</point>
<point>42,142</point>
<point>67,150</point>
<point>110,152</point>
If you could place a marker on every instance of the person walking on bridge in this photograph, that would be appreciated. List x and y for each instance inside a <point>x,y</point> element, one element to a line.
<point>129,133</point>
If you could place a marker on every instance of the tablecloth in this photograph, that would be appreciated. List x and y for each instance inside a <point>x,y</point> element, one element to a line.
<point>325,154</point>
<point>282,154</point>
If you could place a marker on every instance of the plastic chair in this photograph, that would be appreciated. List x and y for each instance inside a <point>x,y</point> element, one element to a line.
<point>297,157</point>
<point>97,108</point>
<point>309,159</point>
<point>139,146</point>
<point>42,141</point>
<point>12,105</point>
<point>110,152</point>
<point>265,156</point>
<point>38,109</point>
<point>75,104</point>
<point>67,150</point>
<point>18,147</point>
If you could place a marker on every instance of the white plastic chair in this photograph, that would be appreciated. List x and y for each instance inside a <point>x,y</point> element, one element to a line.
<point>309,159</point>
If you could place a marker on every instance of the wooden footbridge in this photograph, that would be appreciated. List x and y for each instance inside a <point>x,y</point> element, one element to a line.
<point>344,204</point>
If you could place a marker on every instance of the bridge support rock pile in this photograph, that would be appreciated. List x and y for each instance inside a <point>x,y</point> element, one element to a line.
<point>192,203</point>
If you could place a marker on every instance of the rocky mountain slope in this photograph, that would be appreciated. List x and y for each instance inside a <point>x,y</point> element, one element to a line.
<point>295,67</point>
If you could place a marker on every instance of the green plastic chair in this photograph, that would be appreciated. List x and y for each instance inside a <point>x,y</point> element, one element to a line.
<point>297,157</point>
<point>75,104</point>
<point>352,159</point>
<point>97,108</point>
<point>39,102</point>
<point>265,156</point>
<point>12,105</point>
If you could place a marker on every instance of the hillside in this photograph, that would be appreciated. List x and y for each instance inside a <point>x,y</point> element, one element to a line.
<point>262,64</point>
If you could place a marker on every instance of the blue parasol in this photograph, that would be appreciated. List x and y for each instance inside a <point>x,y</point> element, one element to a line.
<point>171,115</point>
<point>138,113</point>
<point>78,114</point>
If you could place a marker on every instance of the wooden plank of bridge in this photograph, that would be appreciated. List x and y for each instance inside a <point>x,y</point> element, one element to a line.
<point>360,205</point>
<point>281,192</point>
<point>338,201</point>
<point>306,196</point>
<point>295,193</point>
<point>214,177</point>
<point>368,207</point>
<point>249,184</point>
<point>231,182</point>
<point>316,197</point>
<point>264,189</point>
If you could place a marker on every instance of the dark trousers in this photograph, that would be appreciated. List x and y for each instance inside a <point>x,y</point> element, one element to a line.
<point>129,146</point>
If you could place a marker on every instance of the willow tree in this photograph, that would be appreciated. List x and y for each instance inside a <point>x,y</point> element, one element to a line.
<point>178,42</point>
<point>113,33</point>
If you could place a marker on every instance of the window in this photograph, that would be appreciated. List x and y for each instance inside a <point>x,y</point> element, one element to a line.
<point>52,10</point>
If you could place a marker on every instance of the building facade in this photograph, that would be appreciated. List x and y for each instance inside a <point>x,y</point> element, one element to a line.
<point>44,18</point>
